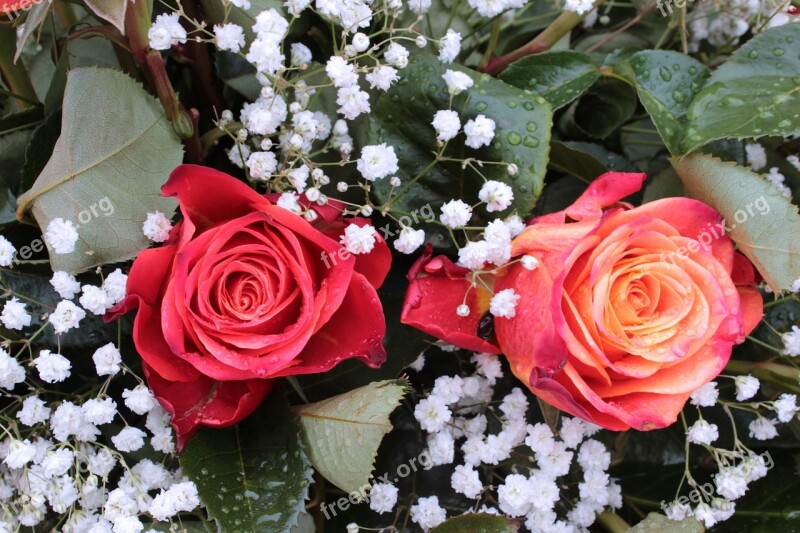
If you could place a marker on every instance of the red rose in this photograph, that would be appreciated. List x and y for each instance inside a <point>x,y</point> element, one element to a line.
<point>245,291</point>
<point>629,312</point>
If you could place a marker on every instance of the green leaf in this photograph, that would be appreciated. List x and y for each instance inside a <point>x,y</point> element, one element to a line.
<point>666,82</point>
<point>754,209</point>
<point>39,150</point>
<point>402,118</point>
<point>254,476</point>
<point>559,77</point>
<point>238,74</point>
<point>116,147</point>
<point>342,434</point>
<point>665,184</point>
<point>12,155</point>
<point>112,11</point>
<point>476,523</point>
<point>36,15</point>
<point>658,523</point>
<point>755,93</point>
<point>607,105</point>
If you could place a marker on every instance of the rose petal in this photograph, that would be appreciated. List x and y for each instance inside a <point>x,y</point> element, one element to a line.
<point>436,289</point>
<point>205,402</point>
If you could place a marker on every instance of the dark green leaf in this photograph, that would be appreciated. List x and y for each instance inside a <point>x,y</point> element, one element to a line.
<point>666,82</point>
<point>476,523</point>
<point>665,184</point>
<point>560,77</point>
<point>607,105</point>
<point>402,118</point>
<point>658,523</point>
<point>755,93</point>
<point>252,477</point>
<point>238,74</point>
<point>39,150</point>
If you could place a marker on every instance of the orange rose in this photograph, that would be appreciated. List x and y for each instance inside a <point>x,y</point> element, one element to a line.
<point>630,309</point>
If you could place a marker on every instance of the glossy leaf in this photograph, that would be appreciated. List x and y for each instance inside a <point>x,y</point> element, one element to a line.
<point>666,82</point>
<point>402,118</point>
<point>342,434</point>
<point>254,476</point>
<point>112,11</point>
<point>755,93</point>
<point>476,523</point>
<point>763,223</point>
<point>560,77</point>
<point>107,168</point>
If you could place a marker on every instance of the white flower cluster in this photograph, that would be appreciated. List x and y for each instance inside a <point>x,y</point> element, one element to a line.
<point>723,22</point>
<point>456,417</point>
<point>739,466</point>
<point>51,459</point>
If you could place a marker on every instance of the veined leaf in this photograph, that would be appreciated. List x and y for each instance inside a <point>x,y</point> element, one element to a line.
<point>763,223</point>
<point>560,77</point>
<point>666,82</point>
<point>658,523</point>
<point>342,434</point>
<point>476,523</point>
<point>252,477</point>
<point>402,118</point>
<point>755,93</point>
<point>115,151</point>
<point>112,11</point>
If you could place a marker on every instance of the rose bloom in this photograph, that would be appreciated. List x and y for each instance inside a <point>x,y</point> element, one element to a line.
<point>245,291</point>
<point>629,312</point>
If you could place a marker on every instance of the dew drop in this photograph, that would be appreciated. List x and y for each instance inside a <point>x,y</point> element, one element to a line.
<point>514,138</point>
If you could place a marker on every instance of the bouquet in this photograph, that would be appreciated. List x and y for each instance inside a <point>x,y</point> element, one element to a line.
<point>399,265</point>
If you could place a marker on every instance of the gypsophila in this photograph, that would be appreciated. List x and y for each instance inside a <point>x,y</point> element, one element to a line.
<point>157,227</point>
<point>746,387</point>
<point>115,286</point>
<point>61,236</point>
<point>359,239</point>
<point>7,252</point>
<point>447,124</point>
<point>14,315</point>
<point>432,414</point>
<point>705,396</point>
<point>702,432</point>
<point>427,513</point>
<point>166,31</point>
<point>449,46</point>
<point>377,161</point>
<point>11,372</point>
<point>457,82</point>
<point>480,131</point>
<point>229,37</point>
<point>504,303</point>
<point>382,497</point>
<point>52,367</point>
<point>66,316</point>
<point>791,342</point>
<point>455,214</point>
<point>139,399</point>
<point>94,299</point>
<point>129,439</point>
<point>497,195</point>
<point>107,360</point>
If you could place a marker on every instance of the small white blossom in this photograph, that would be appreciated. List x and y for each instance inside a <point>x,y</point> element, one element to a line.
<point>99,412</point>
<point>457,82</point>
<point>705,396</point>
<point>359,239</point>
<point>52,367</point>
<point>441,448</point>
<point>763,428</point>
<point>756,156</point>
<point>229,37</point>
<point>352,102</point>
<point>497,195</point>
<point>449,46</point>
<point>447,124</point>
<point>432,414</point>
<point>157,227</point>
<point>786,407</point>
<point>396,55</point>
<point>166,32</point>
<point>261,165</point>
<point>382,497</point>
<point>427,513</point>
<point>7,252</point>
<point>791,342</point>
<point>341,72</point>
<point>115,285</point>
<point>381,77</point>
<point>465,480</point>
<point>61,235</point>
<point>581,7</point>
<point>377,161</point>
<point>409,240</point>
<point>34,411</point>
<point>480,131</point>
<point>14,315</point>
<point>94,299</point>
<point>504,303</point>
<point>11,372</point>
<point>107,360</point>
<point>746,387</point>
<point>301,54</point>
<point>455,214</point>
<point>702,432</point>
<point>180,497</point>
<point>139,399</point>
<point>129,439</point>
<point>289,201</point>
